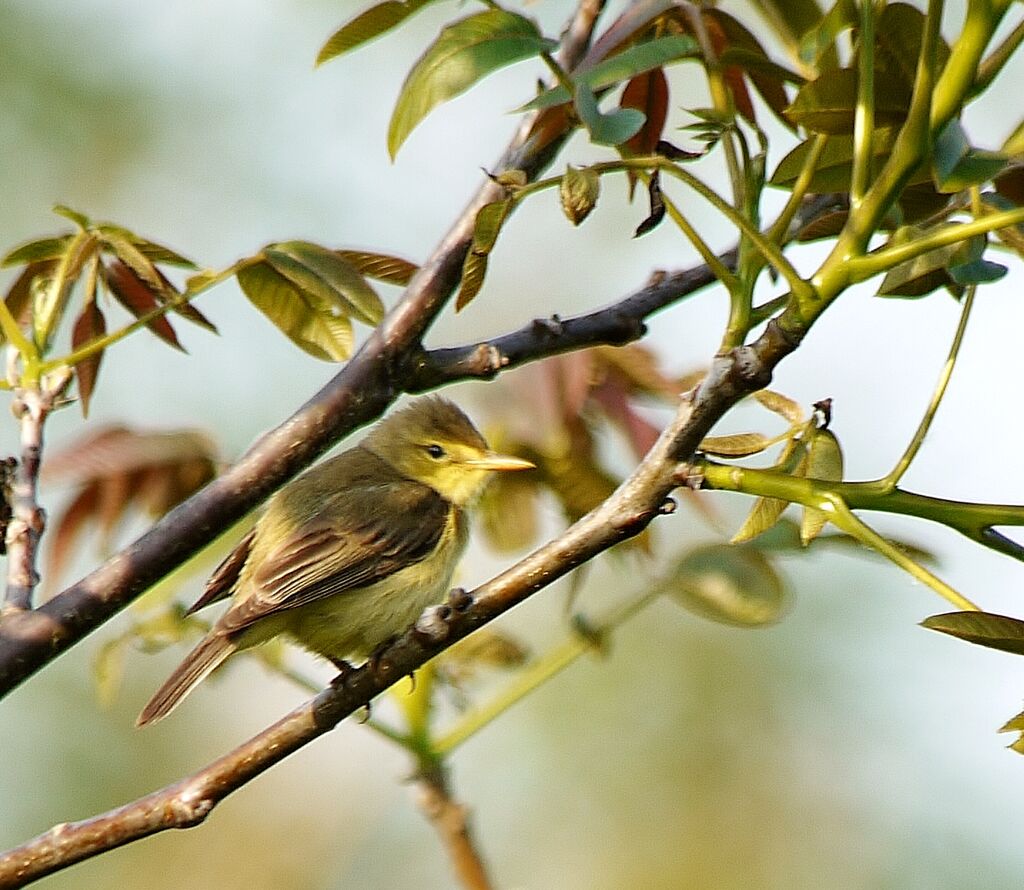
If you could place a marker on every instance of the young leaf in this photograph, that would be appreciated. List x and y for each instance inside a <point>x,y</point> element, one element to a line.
<point>824,462</point>
<point>657,213</point>
<point>37,251</point>
<point>784,406</point>
<point>731,584</point>
<point>647,93</point>
<point>578,192</point>
<point>380,266</point>
<point>108,467</point>
<point>613,128</point>
<point>328,277</point>
<point>465,52</point>
<point>736,445</point>
<point>138,298</point>
<point>767,511</point>
<point>489,220</point>
<point>629,63</point>
<point>368,25</point>
<point>313,327</point>
<point>818,39</point>
<point>983,628</point>
<point>89,326</point>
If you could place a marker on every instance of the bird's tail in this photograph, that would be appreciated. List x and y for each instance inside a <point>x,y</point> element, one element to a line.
<point>196,667</point>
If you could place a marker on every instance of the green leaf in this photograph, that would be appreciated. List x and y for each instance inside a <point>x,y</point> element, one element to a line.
<point>832,173</point>
<point>380,266</point>
<point>578,192</point>
<point>983,628</point>
<point>957,166</point>
<point>969,265</point>
<point>312,326</point>
<point>827,105</point>
<point>638,59</point>
<point>465,52</point>
<point>729,584</point>
<point>326,276</point>
<point>368,25</point>
<point>489,220</point>
<point>78,218</point>
<point>898,35</point>
<point>923,274</point>
<point>819,36</point>
<point>37,251</point>
<point>790,19</point>
<point>613,128</point>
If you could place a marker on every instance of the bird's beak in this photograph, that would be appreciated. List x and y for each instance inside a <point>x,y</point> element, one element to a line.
<point>498,462</point>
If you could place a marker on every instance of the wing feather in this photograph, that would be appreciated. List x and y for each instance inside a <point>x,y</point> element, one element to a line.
<point>345,548</point>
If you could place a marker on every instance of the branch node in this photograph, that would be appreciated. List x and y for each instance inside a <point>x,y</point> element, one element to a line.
<point>460,599</point>
<point>668,507</point>
<point>552,327</point>
<point>431,627</point>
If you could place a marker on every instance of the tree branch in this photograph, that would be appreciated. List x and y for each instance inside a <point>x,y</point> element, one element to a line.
<point>358,394</point>
<point>630,509</point>
<point>451,820</point>
<point>614,325</point>
<point>32,406</point>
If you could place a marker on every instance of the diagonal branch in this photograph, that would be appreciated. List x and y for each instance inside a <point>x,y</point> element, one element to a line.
<point>636,502</point>
<point>359,393</point>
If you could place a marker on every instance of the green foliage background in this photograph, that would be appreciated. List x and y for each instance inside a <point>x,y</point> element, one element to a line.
<point>844,747</point>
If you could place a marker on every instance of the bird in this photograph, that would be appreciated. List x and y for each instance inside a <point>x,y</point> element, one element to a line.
<point>347,555</point>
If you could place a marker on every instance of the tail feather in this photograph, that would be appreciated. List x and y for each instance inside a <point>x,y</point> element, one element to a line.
<point>196,667</point>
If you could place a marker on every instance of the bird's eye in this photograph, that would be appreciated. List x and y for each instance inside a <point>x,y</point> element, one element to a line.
<point>435,451</point>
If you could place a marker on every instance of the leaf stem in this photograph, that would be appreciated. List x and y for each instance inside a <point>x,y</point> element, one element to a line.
<point>892,478</point>
<point>864,114</point>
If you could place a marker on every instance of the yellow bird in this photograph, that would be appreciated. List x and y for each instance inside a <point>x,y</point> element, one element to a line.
<point>349,554</point>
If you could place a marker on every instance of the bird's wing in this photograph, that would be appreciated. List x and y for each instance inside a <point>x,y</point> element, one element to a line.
<point>224,578</point>
<point>347,548</point>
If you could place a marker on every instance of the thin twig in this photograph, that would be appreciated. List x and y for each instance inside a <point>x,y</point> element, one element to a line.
<point>32,405</point>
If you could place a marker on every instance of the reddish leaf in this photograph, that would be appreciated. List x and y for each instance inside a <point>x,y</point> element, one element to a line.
<point>647,93</point>
<point>768,78</point>
<point>732,75</point>
<point>117,470</point>
<point>67,530</point>
<point>185,310</point>
<point>90,326</point>
<point>138,298</point>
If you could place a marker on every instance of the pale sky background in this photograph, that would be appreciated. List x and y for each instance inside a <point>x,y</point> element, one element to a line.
<point>844,747</point>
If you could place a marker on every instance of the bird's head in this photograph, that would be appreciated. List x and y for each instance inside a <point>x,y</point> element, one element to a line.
<point>433,442</point>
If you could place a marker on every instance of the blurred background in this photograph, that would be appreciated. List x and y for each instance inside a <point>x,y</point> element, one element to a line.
<point>843,747</point>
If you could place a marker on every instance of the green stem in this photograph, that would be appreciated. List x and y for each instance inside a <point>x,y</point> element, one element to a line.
<point>780,228</point>
<point>98,345</point>
<point>539,673</point>
<point>889,482</point>
<point>843,519</point>
<point>863,267</point>
<point>11,330</point>
<point>973,520</point>
<point>720,270</point>
<point>997,59</point>
<point>864,114</point>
